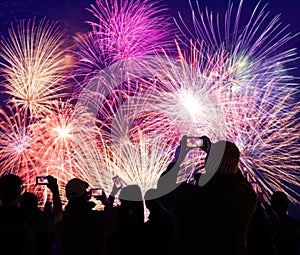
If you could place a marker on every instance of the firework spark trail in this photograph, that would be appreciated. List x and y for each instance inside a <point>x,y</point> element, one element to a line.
<point>188,90</point>
<point>15,142</point>
<point>172,100</point>
<point>55,138</point>
<point>131,28</point>
<point>268,137</point>
<point>122,152</point>
<point>256,50</point>
<point>135,153</point>
<point>260,113</point>
<point>34,67</point>
<point>124,29</point>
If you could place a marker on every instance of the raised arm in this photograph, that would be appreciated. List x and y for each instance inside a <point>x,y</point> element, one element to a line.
<point>57,205</point>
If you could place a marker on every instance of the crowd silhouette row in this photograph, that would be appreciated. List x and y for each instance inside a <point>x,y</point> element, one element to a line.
<point>218,213</point>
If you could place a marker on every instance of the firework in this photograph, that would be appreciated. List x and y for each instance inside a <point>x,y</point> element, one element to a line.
<point>15,142</point>
<point>55,138</point>
<point>267,136</point>
<point>34,67</point>
<point>124,29</point>
<point>257,52</point>
<point>186,91</point>
<point>257,93</point>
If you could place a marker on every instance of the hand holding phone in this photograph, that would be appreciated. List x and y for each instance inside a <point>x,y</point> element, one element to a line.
<point>117,182</point>
<point>42,180</point>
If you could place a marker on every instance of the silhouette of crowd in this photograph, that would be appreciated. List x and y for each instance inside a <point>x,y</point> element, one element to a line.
<point>216,213</point>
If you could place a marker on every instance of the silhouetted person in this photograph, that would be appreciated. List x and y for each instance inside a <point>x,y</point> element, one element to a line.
<point>259,238</point>
<point>213,218</point>
<point>286,229</point>
<point>158,228</point>
<point>83,230</point>
<point>38,226</point>
<point>48,207</point>
<point>12,218</point>
<point>129,238</point>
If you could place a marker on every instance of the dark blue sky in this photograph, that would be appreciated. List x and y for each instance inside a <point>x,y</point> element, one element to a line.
<point>72,13</point>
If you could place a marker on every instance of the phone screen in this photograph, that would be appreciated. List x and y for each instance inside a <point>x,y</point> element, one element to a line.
<point>97,192</point>
<point>194,142</point>
<point>117,181</point>
<point>42,180</point>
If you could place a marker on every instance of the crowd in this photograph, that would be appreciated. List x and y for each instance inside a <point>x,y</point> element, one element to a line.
<point>218,215</point>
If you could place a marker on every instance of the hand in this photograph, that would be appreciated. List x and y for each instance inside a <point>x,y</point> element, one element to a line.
<point>52,185</point>
<point>181,150</point>
<point>103,198</point>
<point>206,144</point>
<point>115,190</point>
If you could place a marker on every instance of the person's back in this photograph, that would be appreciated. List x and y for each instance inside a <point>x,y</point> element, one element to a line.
<point>82,229</point>
<point>36,223</point>
<point>214,218</point>
<point>83,232</point>
<point>158,228</point>
<point>259,238</point>
<point>12,218</point>
<point>287,229</point>
<point>129,238</point>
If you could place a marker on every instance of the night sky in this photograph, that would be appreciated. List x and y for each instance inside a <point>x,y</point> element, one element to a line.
<point>72,14</point>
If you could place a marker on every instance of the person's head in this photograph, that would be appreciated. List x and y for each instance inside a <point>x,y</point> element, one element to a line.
<point>223,158</point>
<point>152,204</point>
<point>76,189</point>
<point>10,189</point>
<point>131,199</point>
<point>131,193</point>
<point>28,200</point>
<point>279,202</point>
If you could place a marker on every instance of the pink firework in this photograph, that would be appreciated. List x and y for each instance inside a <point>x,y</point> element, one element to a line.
<point>16,150</point>
<point>56,137</point>
<point>124,29</point>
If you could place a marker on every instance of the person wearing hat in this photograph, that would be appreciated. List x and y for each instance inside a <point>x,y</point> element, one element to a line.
<point>213,216</point>
<point>83,230</point>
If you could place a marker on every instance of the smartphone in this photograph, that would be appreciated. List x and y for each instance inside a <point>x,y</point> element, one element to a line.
<point>42,180</point>
<point>96,192</point>
<point>117,181</point>
<point>194,142</point>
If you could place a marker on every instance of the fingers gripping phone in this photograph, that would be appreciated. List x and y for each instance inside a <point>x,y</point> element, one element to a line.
<point>117,181</point>
<point>194,142</point>
<point>42,180</point>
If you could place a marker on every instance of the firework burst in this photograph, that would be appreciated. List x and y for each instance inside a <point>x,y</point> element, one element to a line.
<point>257,52</point>
<point>34,67</point>
<point>124,29</point>
<point>15,143</point>
<point>267,136</point>
<point>260,113</point>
